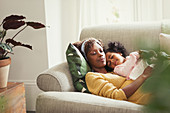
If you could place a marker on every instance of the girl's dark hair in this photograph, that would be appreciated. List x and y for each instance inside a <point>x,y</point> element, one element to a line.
<point>116,47</point>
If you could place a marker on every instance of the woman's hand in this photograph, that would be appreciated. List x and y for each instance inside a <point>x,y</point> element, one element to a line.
<point>147,72</point>
<point>131,88</point>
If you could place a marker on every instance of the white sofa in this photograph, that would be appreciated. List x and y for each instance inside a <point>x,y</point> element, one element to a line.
<point>60,95</point>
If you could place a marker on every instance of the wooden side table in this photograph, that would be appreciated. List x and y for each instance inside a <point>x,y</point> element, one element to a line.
<point>12,98</point>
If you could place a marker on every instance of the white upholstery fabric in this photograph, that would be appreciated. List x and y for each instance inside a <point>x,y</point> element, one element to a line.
<point>75,102</point>
<point>57,78</point>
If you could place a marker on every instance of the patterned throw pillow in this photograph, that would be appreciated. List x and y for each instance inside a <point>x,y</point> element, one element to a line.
<point>78,68</point>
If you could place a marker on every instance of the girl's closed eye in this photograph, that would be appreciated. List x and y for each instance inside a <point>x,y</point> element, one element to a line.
<point>111,56</point>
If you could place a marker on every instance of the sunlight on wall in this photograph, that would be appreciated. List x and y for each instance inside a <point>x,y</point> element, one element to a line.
<point>54,39</point>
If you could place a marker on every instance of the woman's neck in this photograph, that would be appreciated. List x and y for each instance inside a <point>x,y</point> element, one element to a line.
<point>100,70</point>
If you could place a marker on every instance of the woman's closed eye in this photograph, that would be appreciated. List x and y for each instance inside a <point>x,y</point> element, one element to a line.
<point>93,53</point>
<point>101,51</point>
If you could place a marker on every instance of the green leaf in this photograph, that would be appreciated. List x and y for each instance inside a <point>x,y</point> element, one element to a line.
<point>5,47</point>
<point>159,85</point>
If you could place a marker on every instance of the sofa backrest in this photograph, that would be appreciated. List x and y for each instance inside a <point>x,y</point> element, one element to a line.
<point>132,35</point>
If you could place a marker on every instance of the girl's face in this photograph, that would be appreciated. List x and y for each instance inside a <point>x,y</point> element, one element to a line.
<point>96,56</point>
<point>113,59</point>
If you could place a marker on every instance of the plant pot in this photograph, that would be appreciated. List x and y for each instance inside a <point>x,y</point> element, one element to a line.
<point>4,71</point>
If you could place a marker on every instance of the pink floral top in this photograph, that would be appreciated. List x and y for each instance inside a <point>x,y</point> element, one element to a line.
<point>126,68</point>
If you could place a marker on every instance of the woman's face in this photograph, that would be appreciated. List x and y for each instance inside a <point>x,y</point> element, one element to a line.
<point>113,59</point>
<point>96,56</point>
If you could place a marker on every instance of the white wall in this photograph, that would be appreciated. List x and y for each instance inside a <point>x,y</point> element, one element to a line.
<point>166,9</point>
<point>62,21</point>
<point>53,21</point>
<point>27,64</point>
<point>69,30</point>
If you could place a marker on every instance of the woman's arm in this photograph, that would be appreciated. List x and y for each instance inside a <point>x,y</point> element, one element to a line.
<point>106,85</point>
<point>131,88</point>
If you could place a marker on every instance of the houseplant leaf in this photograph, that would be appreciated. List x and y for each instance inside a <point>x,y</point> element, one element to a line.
<point>15,43</point>
<point>5,47</point>
<point>13,17</point>
<point>35,25</point>
<point>13,24</point>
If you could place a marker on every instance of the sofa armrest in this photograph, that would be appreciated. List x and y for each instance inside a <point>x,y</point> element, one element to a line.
<point>57,78</point>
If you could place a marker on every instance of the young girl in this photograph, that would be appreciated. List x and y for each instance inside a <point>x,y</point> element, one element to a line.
<point>128,66</point>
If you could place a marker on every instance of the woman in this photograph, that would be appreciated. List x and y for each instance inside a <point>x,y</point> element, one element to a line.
<point>93,52</point>
<point>110,85</point>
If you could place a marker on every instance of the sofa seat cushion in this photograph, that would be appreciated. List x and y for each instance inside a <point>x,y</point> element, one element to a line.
<point>76,102</point>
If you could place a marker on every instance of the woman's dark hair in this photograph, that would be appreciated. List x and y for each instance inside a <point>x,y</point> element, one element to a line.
<point>116,47</point>
<point>88,45</point>
<point>90,42</point>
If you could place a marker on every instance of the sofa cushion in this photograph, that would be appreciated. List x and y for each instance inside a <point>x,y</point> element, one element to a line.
<point>165,42</point>
<point>76,102</point>
<point>78,67</point>
<point>133,36</point>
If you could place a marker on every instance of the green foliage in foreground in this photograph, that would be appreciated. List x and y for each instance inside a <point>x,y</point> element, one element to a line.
<point>159,85</point>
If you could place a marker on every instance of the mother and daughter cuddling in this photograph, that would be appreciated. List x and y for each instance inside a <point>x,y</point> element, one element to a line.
<point>111,68</point>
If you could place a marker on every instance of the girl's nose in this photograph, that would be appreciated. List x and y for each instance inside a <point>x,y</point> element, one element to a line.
<point>112,60</point>
<point>109,60</point>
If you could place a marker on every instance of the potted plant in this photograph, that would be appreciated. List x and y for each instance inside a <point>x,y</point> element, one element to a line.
<point>7,44</point>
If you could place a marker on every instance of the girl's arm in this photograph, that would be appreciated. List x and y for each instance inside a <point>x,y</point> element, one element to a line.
<point>131,88</point>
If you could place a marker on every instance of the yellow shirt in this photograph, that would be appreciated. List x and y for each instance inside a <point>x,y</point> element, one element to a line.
<point>110,86</point>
